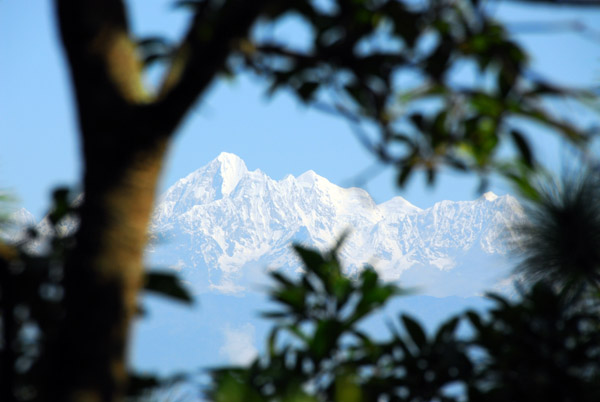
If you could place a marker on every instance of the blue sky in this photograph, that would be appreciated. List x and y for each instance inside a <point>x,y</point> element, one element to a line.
<point>38,134</point>
<point>39,147</point>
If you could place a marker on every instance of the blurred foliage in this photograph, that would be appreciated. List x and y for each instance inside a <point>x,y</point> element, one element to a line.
<point>426,85</point>
<point>560,241</point>
<point>354,64</point>
<point>537,348</point>
<point>32,310</point>
<point>167,284</point>
<point>30,305</point>
<point>543,345</point>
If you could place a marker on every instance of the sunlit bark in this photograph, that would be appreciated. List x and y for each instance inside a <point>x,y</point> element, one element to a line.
<point>125,133</point>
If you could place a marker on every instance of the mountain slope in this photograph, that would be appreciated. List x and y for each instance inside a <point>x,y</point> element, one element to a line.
<point>223,224</point>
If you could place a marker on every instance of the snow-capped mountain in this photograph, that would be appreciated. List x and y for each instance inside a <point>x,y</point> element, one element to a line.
<point>222,225</point>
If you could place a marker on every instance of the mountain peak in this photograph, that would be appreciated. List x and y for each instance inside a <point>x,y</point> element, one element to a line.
<point>231,169</point>
<point>489,196</point>
<point>399,205</point>
<point>228,221</point>
<point>308,177</point>
<point>229,158</point>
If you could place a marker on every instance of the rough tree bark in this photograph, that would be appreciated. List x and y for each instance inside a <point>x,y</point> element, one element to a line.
<point>125,132</point>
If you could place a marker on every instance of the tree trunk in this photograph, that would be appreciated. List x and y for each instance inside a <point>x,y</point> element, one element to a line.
<point>123,150</point>
<point>104,274</point>
<point>125,134</point>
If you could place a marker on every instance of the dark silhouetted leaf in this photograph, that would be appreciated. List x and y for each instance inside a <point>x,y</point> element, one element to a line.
<point>415,331</point>
<point>307,90</point>
<point>404,175</point>
<point>311,258</point>
<point>523,147</point>
<point>138,384</point>
<point>167,284</point>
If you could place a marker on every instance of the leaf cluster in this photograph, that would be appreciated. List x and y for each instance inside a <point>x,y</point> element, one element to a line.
<point>31,295</point>
<point>318,351</point>
<point>542,347</point>
<point>559,241</point>
<point>357,53</point>
<point>425,85</point>
<point>32,305</point>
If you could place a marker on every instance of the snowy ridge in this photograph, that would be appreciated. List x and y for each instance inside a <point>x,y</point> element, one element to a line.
<point>223,224</point>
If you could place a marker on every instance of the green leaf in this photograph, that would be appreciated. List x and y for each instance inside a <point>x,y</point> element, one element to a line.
<point>347,388</point>
<point>456,163</point>
<point>167,284</point>
<point>404,175</point>
<point>294,329</point>
<point>407,24</point>
<point>565,129</point>
<point>325,338</point>
<point>418,121</point>
<point>415,331</point>
<point>358,94</point>
<point>506,79</point>
<point>437,64</point>
<point>294,297</point>
<point>474,319</point>
<point>339,243</point>
<point>138,384</point>
<point>282,279</point>
<point>61,205</point>
<point>498,299</point>
<point>342,289</point>
<point>368,279</point>
<point>307,90</point>
<point>521,181</point>
<point>312,259</point>
<point>523,147</point>
<point>230,388</point>
<point>430,176</point>
<point>446,330</point>
<point>272,341</point>
<point>486,105</point>
<point>191,4</point>
<point>274,314</point>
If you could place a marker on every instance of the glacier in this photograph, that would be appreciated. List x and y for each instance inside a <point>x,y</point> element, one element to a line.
<point>223,226</point>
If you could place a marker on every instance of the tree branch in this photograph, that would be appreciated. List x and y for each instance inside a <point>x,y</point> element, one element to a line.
<point>104,64</point>
<point>202,54</point>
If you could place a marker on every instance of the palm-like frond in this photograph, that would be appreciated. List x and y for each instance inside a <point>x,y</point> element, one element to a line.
<point>560,240</point>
